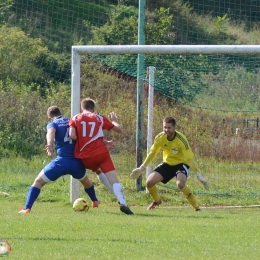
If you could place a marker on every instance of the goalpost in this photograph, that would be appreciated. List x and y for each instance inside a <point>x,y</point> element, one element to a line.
<point>139,49</point>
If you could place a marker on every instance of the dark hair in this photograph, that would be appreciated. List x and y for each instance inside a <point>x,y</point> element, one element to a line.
<point>88,104</point>
<point>170,119</point>
<point>53,111</point>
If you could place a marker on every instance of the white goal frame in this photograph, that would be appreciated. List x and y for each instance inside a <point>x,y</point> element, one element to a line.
<point>76,51</point>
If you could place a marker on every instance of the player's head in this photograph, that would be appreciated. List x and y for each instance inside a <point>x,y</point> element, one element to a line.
<point>169,124</point>
<point>53,112</point>
<point>170,120</point>
<point>88,104</point>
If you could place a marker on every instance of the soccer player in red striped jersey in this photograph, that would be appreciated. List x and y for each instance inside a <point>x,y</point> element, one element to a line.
<point>86,129</point>
<point>177,162</point>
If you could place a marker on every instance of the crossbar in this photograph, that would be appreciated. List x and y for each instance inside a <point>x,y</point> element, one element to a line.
<point>169,49</point>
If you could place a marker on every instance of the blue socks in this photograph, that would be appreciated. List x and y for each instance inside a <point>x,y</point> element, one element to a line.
<point>91,193</point>
<point>33,194</point>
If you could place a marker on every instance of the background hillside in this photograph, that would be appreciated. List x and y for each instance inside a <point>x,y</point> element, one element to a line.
<point>215,98</point>
<point>35,47</point>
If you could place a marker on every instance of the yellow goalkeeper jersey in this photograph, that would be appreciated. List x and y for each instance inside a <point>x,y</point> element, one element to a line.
<point>175,151</point>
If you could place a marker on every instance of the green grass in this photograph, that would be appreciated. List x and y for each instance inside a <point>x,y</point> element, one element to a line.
<point>55,231</point>
<point>234,186</point>
<point>174,230</point>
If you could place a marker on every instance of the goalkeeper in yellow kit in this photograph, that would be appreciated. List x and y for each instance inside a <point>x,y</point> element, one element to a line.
<point>177,162</point>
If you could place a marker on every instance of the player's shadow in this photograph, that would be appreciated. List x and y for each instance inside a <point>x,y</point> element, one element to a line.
<point>195,215</point>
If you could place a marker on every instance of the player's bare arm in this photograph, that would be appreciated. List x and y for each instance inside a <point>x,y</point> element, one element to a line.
<point>73,134</point>
<point>50,139</point>
<point>117,127</point>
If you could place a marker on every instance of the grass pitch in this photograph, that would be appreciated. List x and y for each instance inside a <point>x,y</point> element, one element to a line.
<point>55,231</point>
<point>173,231</point>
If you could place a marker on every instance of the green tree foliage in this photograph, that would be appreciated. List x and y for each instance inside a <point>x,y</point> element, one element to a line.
<point>23,116</point>
<point>33,76</point>
<point>5,6</point>
<point>120,29</point>
<point>220,24</point>
<point>21,119</point>
<point>18,54</point>
<point>174,77</point>
<point>159,29</point>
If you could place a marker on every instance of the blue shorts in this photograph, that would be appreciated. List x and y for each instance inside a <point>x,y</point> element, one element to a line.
<point>61,166</point>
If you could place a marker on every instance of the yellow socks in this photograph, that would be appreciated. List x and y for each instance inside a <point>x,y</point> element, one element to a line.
<point>190,197</point>
<point>186,192</point>
<point>154,193</point>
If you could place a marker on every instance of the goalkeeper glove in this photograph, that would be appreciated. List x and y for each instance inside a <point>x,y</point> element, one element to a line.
<point>203,180</point>
<point>137,172</point>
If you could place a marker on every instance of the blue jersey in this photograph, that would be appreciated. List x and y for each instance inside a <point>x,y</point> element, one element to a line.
<point>64,145</point>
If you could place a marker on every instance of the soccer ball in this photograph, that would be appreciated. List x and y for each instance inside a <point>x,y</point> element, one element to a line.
<point>5,248</point>
<point>80,204</point>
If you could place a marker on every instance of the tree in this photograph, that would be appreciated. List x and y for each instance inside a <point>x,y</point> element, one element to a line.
<point>4,9</point>
<point>18,54</point>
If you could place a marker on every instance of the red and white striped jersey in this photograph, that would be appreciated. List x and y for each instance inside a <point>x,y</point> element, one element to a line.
<point>89,127</point>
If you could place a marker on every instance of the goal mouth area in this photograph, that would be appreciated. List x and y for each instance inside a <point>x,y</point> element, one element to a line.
<point>200,78</point>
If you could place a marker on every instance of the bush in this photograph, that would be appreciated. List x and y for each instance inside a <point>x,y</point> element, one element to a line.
<point>18,54</point>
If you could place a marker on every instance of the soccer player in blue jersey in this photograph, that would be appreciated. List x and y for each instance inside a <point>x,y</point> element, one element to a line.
<point>177,162</point>
<point>63,164</point>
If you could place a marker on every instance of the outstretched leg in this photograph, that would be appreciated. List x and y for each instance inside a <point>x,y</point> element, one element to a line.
<point>33,193</point>
<point>103,179</point>
<point>118,191</point>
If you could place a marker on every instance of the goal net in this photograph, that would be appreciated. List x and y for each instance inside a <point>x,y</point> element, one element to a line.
<point>211,90</point>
